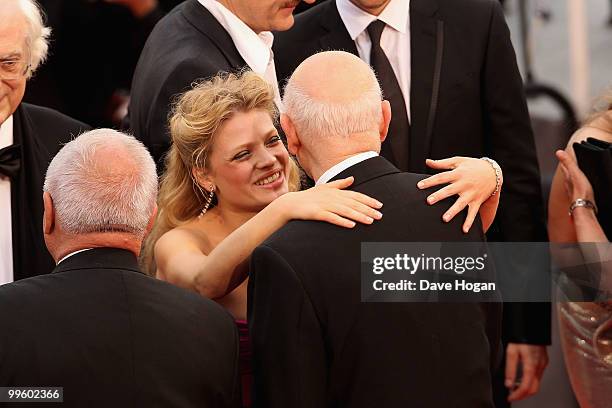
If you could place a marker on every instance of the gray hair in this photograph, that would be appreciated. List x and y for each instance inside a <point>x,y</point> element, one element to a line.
<point>91,196</point>
<point>317,117</point>
<point>37,34</point>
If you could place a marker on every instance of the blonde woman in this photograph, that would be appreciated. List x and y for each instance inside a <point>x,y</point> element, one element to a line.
<point>226,189</point>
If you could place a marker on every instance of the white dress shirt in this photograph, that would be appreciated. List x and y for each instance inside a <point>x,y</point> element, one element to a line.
<point>343,165</point>
<point>395,38</point>
<point>255,49</point>
<point>6,225</point>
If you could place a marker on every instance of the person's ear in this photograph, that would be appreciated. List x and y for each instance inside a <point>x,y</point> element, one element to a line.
<point>293,141</point>
<point>49,214</point>
<point>203,178</point>
<point>385,120</point>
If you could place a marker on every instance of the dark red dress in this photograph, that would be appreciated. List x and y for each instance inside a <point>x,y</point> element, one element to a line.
<point>246,373</point>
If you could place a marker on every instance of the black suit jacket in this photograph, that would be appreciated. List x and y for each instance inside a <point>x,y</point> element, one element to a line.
<point>186,45</point>
<point>114,337</point>
<point>466,99</point>
<point>315,344</point>
<point>40,132</point>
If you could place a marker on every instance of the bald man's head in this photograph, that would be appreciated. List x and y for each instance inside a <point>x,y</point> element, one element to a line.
<point>334,77</point>
<point>333,105</point>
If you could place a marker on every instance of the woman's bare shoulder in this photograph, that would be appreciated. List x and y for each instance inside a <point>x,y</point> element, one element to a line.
<point>587,131</point>
<point>187,237</point>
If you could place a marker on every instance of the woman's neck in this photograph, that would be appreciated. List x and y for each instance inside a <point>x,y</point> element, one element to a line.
<point>233,218</point>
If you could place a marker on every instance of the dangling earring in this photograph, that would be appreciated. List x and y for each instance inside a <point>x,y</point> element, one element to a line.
<point>208,197</point>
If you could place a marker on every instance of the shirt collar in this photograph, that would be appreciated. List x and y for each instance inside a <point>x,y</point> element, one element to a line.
<point>396,15</point>
<point>73,253</point>
<point>6,132</point>
<point>343,165</point>
<point>255,49</point>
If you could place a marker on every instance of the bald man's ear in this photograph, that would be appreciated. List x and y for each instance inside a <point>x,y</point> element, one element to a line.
<point>386,120</point>
<point>293,141</point>
<point>49,214</point>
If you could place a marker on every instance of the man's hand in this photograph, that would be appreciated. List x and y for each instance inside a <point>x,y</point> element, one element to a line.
<point>533,360</point>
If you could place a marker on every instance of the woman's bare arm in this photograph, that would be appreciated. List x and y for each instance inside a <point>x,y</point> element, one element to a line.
<point>181,261</point>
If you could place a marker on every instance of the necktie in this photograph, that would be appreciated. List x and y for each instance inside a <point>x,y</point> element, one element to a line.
<point>395,147</point>
<point>10,161</point>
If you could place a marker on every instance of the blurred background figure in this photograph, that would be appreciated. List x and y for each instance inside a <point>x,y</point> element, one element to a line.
<point>29,138</point>
<point>94,48</point>
<point>106,36</point>
<point>586,327</point>
<point>563,53</point>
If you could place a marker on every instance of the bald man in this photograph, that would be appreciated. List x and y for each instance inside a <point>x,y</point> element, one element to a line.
<point>315,344</point>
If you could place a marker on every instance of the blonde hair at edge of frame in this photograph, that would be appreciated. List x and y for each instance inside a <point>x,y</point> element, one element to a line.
<point>195,118</point>
<point>601,115</point>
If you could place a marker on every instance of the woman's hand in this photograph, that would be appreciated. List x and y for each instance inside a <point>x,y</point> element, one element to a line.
<point>473,180</point>
<point>577,185</point>
<point>329,202</point>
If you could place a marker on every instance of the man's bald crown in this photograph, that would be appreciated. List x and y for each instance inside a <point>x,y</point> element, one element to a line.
<point>335,77</point>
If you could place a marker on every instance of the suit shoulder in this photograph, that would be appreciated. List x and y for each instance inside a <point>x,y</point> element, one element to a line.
<point>16,296</point>
<point>171,19</point>
<point>471,5</point>
<point>472,11</point>
<point>404,184</point>
<point>178,33</point>
<point>314,15</point>
<point>175,297</point>
<point>307,26</point>
<point>52,119</point>
<point>178,52</point>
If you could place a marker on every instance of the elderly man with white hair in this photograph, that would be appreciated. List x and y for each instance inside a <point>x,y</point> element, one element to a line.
<point>98,327</point>
<point>29,137</point>
<point>315,343</point>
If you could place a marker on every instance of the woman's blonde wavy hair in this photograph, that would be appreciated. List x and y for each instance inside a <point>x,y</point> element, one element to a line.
<point>601,113</point>
<point>194,120</point>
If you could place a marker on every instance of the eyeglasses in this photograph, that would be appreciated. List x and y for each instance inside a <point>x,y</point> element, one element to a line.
<point>12,69</point>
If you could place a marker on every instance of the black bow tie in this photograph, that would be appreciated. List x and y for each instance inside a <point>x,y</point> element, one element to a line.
<point>10,161</point>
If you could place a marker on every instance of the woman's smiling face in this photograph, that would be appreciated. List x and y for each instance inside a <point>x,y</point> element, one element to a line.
<point>248,163</point>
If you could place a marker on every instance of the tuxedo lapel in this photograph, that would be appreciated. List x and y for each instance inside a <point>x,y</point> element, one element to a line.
<point>337,37</point>
<point>26,199</point>
<point>207,25</point>
<point>426,41</point>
